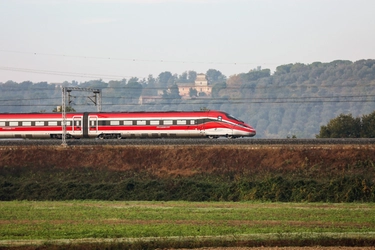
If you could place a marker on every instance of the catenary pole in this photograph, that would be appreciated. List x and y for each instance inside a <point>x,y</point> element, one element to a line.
<point>66,90</point>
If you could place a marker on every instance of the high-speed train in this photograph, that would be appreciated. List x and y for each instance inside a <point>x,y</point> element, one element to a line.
<point>106,125</point>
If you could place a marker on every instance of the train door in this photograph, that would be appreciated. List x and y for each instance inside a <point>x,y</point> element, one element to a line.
<point>77,123</point>
<point>93,126</point>
<point>191,127</point>
<point>228,131</point>
<point>201,126</point>
<point>186,127</point>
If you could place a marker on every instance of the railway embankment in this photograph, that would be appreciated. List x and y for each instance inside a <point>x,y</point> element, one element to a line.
<point>298,173</point>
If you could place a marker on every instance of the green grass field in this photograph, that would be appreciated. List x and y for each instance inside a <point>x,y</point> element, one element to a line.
<point>26,222</point>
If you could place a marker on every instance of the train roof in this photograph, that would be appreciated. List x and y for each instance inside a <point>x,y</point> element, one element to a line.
<point>118,114</point>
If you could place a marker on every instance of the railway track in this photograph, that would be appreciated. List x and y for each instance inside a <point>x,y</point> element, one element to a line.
<point>181,142</point>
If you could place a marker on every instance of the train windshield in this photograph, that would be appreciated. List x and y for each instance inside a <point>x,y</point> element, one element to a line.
<point>232,117</point>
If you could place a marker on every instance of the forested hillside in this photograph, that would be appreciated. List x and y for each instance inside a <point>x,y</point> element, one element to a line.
<point>295,100</point>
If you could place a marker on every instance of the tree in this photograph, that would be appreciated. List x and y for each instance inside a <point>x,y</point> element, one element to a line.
<point>133,91</point>
<point>25,85</point>
<point>215,76</point>
<point>368,126</point>
<point>193,92</point>
<point>183,77</point>
<point>99,84</point>
<point>216,89</point>
<point>115,84</point>
<point>283,69</point>
<point>149,88</point>
<point>172,93</point>
<point>234,81</point>
<point>254,75</point>
<point>192,75</point>
<point>343,126</point>
<point>151,81</point>
<point>175,94</point>
<point>164,78</point>
<point>67,109</point>
<point>133,80</point>
<point>232,90</point>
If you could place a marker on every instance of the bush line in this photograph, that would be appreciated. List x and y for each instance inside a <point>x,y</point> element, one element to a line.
<point>103,185</point>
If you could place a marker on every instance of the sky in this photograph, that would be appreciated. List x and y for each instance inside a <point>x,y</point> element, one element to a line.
<point>64,40</point>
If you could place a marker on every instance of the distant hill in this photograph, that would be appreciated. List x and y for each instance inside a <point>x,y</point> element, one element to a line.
<point>297,99</point>
<point>293,101</point>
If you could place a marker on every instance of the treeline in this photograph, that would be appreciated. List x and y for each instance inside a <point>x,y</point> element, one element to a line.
<point>296,100</point>
<point>347,126</point>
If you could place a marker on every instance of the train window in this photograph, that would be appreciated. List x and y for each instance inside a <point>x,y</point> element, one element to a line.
<point>39,123</point>
<point>154,122</point>
<point>141,122</point>
<point>103,123</point>
<point>128,122</point>
<point>193,122</point>
<point>114,123</point>
<point>76,123</point>
<point>52,123</point>
<point>181,122</point>
<point>2,123</point>
<point>201,121</point>
<point>26,123</point>
<point>13,123</point>
<point>168,122</point>
<point>232,117</point>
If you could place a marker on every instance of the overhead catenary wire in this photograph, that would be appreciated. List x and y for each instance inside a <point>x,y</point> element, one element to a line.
<point>215,99</point>
<point>218,100</point>
<point>205,103</point>
<point>292,87</point>
<point>161,60</point>
<point>62,73</point>
<point>110,58</point>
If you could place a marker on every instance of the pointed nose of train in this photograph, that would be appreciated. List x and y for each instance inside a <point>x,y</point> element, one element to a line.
<point>246,130</point>
<point>252,131</point>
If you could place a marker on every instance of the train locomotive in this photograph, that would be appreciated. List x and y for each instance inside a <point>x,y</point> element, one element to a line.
<point>110,125</point>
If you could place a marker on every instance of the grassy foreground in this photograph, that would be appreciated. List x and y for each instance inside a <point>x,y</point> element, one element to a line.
<point>142,225</point>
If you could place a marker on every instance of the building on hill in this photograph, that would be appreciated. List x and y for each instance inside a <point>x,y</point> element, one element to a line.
<point>149,99</point>
<point>58,85</point>
<point>200,85</point>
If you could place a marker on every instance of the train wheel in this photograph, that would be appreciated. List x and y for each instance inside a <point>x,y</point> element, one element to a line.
<point>101,137</point>
<point>118,137</point>
<point>212,136</point>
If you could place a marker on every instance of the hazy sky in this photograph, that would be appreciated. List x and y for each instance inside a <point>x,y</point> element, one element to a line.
<point>65,40</point>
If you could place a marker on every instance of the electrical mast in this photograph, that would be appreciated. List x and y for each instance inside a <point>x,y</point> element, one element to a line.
<point>96,99</point>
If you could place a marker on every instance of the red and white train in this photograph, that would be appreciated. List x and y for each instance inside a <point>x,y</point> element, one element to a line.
<point>211,124</point>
